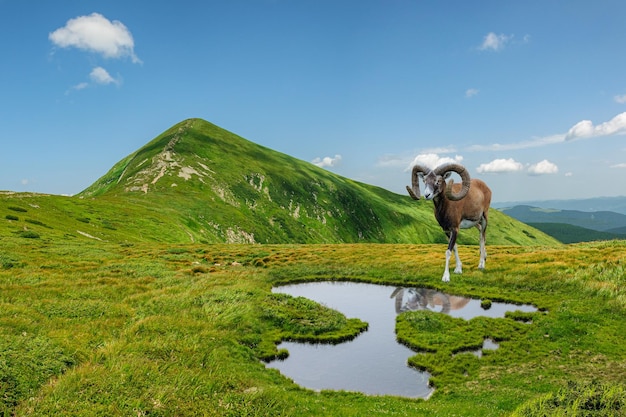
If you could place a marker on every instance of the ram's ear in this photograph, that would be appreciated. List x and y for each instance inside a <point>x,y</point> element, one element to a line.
<point>447,175</point>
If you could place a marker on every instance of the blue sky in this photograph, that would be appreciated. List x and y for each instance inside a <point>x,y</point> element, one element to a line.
<point>529,95</point>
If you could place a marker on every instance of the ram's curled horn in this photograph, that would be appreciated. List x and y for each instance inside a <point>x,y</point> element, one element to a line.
<point>414,189</point>
<point>465,178</point>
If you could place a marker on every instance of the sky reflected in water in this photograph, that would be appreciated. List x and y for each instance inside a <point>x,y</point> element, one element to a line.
<point>374,362</point>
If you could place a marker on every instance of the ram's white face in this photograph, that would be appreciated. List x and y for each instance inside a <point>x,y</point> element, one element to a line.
<point>432,185</point>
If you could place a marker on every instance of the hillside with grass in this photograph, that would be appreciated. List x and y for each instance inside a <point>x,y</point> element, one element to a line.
<point>198,183</point>
<point>567,233</point>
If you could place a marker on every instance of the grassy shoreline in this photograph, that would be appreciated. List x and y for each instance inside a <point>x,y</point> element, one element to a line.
<point>96,328</point>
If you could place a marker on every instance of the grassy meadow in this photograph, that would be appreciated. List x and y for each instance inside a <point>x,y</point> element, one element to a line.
<point>94,328</point>
<point>149,294</point>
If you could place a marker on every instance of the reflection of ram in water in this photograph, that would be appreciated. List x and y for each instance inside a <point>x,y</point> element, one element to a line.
<point>411,299</point>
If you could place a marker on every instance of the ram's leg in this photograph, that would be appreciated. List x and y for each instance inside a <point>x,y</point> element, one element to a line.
<point>482,228</point>
<point>446,272</point>
<point>459,267</point>
<point>451,246</point>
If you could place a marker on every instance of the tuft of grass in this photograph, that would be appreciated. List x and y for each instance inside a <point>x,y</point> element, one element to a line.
<point>578,398</point>
<point>18,209</point>
<point>37,222</point>
<point>28,234</point>
<point>27,362</point>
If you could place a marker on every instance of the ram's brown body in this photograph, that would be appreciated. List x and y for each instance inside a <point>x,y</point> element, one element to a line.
<point>457,206</point>
<point>473,207</point>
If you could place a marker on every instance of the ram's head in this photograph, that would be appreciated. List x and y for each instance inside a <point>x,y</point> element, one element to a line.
<point>435,182</point>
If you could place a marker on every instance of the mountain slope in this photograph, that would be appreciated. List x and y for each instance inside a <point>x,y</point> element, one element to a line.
<point>568,233</point>
<point>198,182</point>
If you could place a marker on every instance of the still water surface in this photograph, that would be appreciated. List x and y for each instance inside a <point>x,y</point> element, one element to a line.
<point>374,362</point>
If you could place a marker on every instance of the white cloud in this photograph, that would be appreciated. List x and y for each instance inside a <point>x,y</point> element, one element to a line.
<point>498,166</point>
<point>392,161</point>
<point>100,76</point>
<point>95,33</point>
<point>585,129</point>
<point>440,149</point>
<point>581,130</point>
<point>77,87</point>
<point>495,42</point>
<point>471,92</point>
<point>327,161</point>
<point>620,99</point>
<point>543,167</point>
<point>433,160</point>
<point>623,165</point>
<point>532,143</point>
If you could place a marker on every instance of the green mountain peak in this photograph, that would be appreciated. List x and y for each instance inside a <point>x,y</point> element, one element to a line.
<point>184,152</point>
<point>198,182</point>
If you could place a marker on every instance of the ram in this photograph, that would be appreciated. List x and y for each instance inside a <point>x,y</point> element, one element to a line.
<point>457,206</point>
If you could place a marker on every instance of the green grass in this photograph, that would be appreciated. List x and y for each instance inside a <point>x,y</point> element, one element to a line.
<point>98,328</point>
<point>568,233</point>
<point>578,399</point>
<point>138,298</point>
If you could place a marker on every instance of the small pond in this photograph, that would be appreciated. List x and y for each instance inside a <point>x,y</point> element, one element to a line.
<point>374,362</point>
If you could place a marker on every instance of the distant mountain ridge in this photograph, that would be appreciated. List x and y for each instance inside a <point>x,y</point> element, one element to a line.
<point>568,233</point>
<point>605,221</point>
<point>614,204</point>
<point>571,226</point>
<point>197,182</point>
